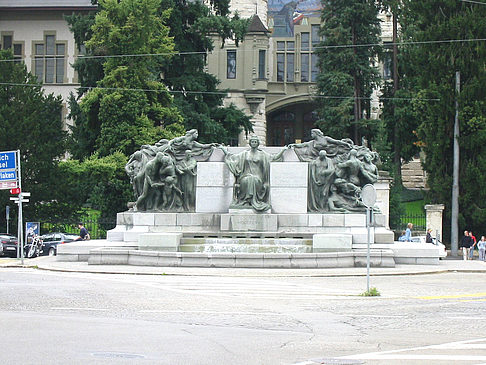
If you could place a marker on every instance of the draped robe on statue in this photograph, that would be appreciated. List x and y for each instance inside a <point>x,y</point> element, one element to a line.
<point>321,177</point>
<point>252,173</point>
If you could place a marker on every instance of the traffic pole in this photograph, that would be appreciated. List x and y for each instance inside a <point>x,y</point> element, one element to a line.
<point>21,224</point>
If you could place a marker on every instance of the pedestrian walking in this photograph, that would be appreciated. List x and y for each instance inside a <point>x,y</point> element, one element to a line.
<point>482,249</point>
<point>466,242</point>
<point>473,244</point>
<point>428,237</point>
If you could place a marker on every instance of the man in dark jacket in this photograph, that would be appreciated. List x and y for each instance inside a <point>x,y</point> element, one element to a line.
<point>466,243</point>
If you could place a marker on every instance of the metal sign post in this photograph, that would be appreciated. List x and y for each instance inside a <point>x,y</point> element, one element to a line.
<point>368,196</point>
<point>7,215</point>
<point>10,179</point>
<point>21,219</point>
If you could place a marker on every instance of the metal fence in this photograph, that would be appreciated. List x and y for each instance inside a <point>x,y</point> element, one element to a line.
<point>97,228</point>
<point>399,222</point>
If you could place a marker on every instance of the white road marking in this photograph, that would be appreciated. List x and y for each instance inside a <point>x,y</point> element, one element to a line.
<point>373,315</point>
<point>215,312</point>
<point>399,354</point>
<point>419,357</point>
<point>78,309</point>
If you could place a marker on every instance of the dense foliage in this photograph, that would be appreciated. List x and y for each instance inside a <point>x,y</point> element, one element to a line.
<point>430,70</point>
<point>99,183</point>
<point>192,26</point>
<point>348,72</point>
<point>130,105</point>
<point>196,102</point>
<point>153,91</point>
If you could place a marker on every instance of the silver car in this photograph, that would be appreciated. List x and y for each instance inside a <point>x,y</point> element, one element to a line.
<point>440,245</point>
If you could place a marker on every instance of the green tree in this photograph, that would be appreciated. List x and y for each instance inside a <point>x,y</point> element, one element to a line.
<point>192,23</point>
<point>430,73</point>
<point>348,74</point>
<point>31,122</point>
<point>130,105</point>
<point>397,112</point>
<point>98,182</point>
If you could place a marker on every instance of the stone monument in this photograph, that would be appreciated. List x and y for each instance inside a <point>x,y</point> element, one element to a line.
<point>210,205</point>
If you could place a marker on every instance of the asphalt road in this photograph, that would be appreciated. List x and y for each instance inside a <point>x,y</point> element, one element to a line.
<point>80,318</point>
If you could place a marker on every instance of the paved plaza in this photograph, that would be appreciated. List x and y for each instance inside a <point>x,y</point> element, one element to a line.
<point>143,315</point>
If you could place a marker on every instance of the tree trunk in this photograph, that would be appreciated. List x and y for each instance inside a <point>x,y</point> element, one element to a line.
<point>356,94</point>
<point>397,160</point>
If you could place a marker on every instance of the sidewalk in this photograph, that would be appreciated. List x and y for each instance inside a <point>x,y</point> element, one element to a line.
<point>50,263</point>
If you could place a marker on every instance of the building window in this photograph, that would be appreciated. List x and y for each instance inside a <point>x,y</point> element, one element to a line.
<point>304,41</point>
<point>316,38</point>
<point>261,64</point>
<point>49,60</point>
<point>290,67</point>
<point>387,62</point>
<point>231,64</point>
<point>314,67</point>
<point>7,43</point>
<point>304,67</point>
<point>280,66</point>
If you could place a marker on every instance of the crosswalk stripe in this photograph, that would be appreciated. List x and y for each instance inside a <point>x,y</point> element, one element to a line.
<point>475,344</point>
<point>456,296</point>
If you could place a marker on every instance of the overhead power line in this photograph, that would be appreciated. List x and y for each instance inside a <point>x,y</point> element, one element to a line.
<point>214,92</point>
<point>473,2</point>
<point>452,41</point>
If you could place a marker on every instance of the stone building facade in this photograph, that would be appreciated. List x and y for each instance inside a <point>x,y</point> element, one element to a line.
<point>272,74</point>
<point>38,35</point>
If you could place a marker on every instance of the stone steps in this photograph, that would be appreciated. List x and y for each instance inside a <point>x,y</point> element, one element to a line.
<point>247,248</point>
<point>413,175</point>
<point>115,256</point>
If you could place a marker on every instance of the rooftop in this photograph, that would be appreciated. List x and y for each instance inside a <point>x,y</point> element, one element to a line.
<point>46,4</point>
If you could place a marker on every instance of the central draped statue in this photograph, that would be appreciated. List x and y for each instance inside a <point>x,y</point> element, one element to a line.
<point>251,169</point>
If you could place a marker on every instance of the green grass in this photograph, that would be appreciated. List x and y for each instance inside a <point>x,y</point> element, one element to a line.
<point>373,292</point>
<point>414,213</point>
<point>414,208</point>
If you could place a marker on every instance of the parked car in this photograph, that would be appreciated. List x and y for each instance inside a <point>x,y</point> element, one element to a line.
<point>9,244</point>
<point>442,248</point>
<point>51,240</point>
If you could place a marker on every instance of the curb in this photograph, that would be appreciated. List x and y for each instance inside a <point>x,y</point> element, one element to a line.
<point>176,271</point>
<point>261,274</point>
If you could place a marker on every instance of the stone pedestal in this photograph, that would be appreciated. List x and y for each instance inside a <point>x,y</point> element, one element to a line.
<point>214,187</point>
<point>163,241</point>
<point>332,242</point>
<point>434,219</point>
<point>288,182</point>
<point>249,222</point>
<point>382,187</point>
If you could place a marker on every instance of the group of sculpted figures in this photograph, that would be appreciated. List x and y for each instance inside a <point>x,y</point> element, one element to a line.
<point>164,175</point>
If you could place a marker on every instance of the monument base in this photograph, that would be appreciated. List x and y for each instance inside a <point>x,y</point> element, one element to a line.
<point>245,240</point>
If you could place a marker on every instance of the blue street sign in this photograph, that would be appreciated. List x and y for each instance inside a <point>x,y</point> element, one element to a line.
<point>7,160</point>
<point>8,175</point>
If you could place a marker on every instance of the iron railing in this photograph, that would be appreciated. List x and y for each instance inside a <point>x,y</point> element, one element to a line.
<point>399,222</point>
